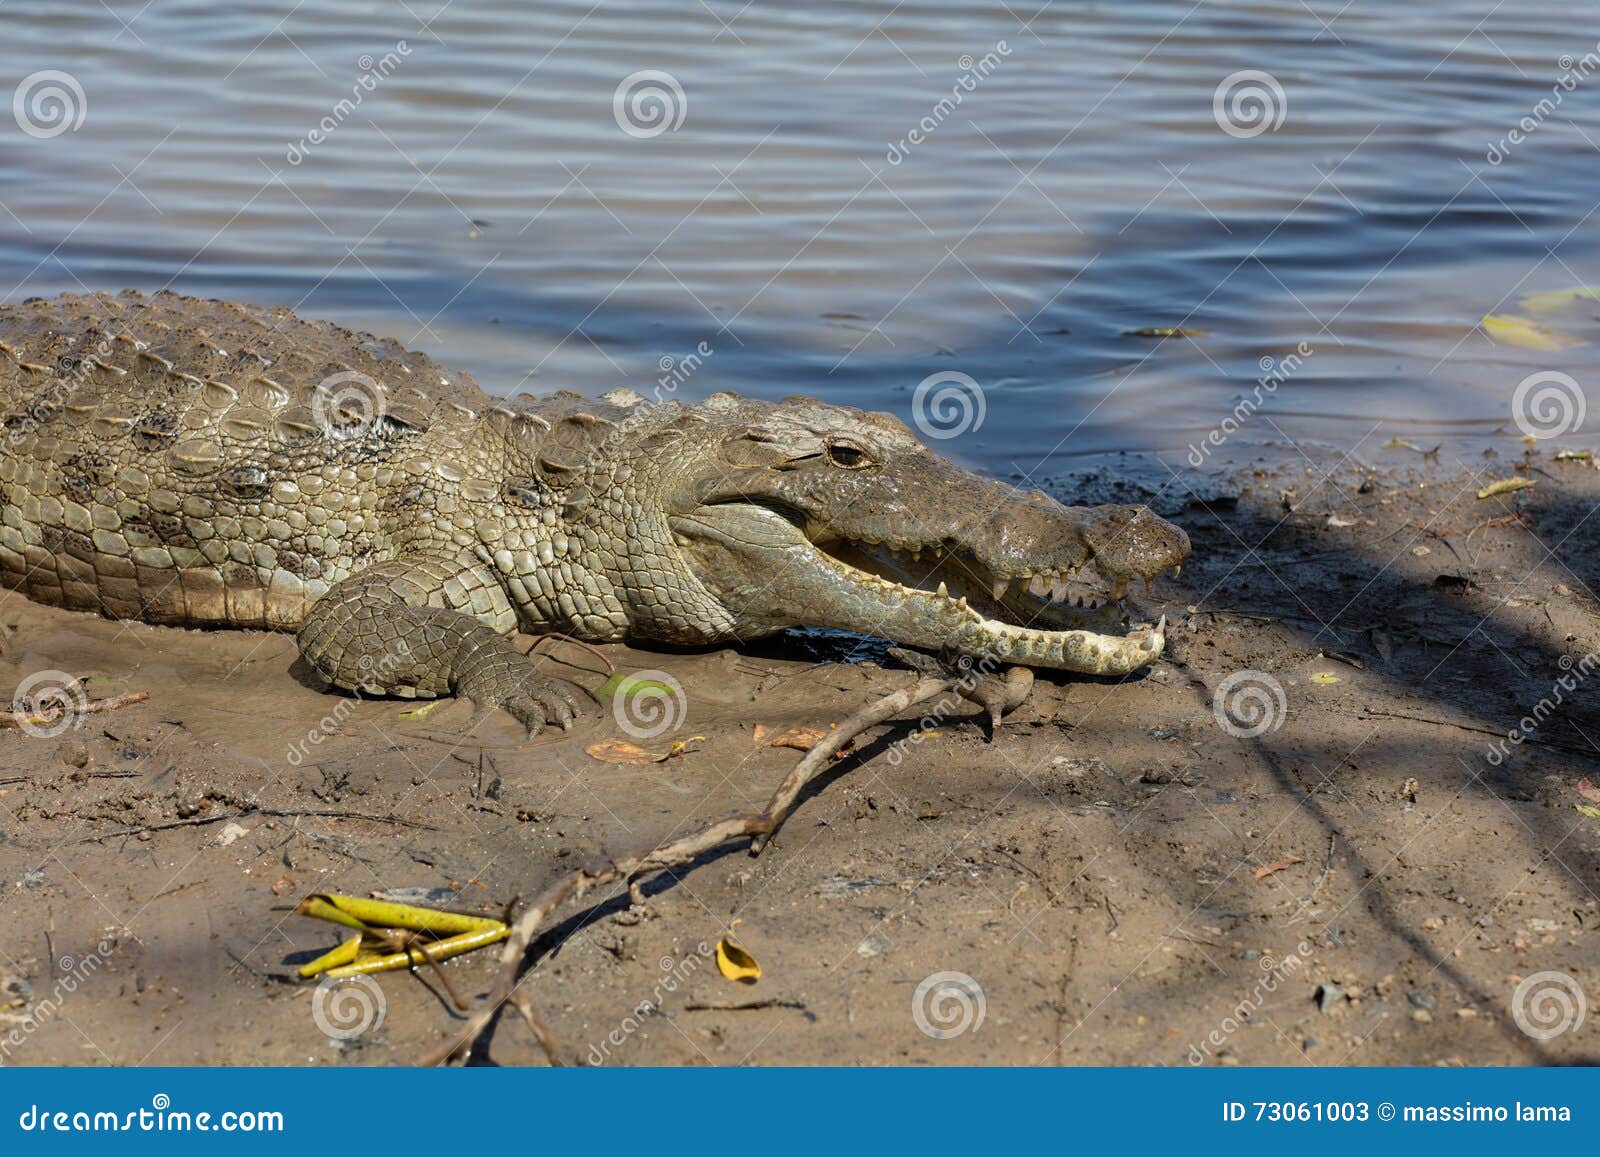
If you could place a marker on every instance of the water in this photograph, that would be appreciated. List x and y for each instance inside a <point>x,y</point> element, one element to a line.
<point>482,201</point>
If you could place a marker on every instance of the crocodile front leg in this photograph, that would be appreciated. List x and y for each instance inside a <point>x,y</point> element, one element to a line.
<point>407,627</point>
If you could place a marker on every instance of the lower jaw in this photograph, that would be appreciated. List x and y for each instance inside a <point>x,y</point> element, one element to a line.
<point>920,619</point>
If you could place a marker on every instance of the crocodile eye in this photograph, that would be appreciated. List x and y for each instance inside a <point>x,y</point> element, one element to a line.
<point>848,456</point>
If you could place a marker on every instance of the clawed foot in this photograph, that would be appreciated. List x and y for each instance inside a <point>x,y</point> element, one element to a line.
<point>534,700</point>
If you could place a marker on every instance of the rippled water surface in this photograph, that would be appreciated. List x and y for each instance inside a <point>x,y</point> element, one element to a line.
<point>843,198</point>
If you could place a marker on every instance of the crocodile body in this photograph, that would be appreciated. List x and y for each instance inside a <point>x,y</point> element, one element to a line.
<point>211,464</point>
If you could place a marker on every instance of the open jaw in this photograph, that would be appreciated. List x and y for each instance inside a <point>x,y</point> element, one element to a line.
<point>935,595</point>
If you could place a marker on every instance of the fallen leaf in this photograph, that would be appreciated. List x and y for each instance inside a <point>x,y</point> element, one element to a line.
<point>800,738</point>
<point>760,735</point>
<point>734,962</point>
<point>625,751</point>
<point>282,885</point>
<point>1165,331</point>
<point>1589,791</point>
<point>1575,456</point>
<point>1335,521</point>
<point>1591,812</point>
<point>1525,333</point>
<point>421,710</point>
<point>1277,866</point>
<point>1550,300</point>
<point>231,833</point>
<point>630,683</point>
<point>1505,486</point>
<point>1325,677</point>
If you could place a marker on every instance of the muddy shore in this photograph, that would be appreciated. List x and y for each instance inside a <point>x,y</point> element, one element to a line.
<point>1126,873</point>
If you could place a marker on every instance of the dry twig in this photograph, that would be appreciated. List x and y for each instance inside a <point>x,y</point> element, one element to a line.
<point>631,868</point>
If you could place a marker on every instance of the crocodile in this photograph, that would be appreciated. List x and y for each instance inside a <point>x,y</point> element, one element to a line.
<point>212,464</point>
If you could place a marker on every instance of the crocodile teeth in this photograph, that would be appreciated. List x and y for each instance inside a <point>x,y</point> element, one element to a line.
<point>1058,589</point>
<point>999,589</point>
<point>1037,585</point>
<point>943,592</point>
<point>1177,570</point>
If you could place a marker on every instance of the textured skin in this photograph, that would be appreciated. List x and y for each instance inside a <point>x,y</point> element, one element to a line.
<point>174,460</point>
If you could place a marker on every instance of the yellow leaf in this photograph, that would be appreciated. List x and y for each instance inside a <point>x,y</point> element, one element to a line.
<point>421,711</point>
<point>1505,486</point>
<point>627,752</point>
<point>1525,332</point>
<point>1325,677</point>
<point>1591,812</point>
<point>735,963</point>
<point>1554,299</point>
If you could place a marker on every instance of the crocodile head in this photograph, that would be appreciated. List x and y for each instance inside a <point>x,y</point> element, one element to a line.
<point>807,514</point>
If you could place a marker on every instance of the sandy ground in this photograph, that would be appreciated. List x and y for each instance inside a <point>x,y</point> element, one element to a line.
<point>1123,880</point>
